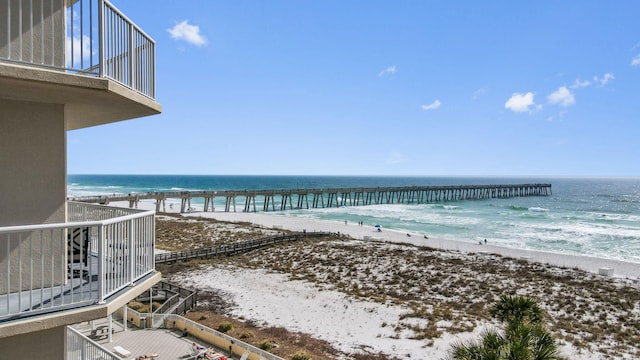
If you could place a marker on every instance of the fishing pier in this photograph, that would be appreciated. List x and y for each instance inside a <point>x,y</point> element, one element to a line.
<point>291,199</point>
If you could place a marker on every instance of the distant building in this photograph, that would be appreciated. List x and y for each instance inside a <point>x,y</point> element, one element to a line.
<point>66,65</point>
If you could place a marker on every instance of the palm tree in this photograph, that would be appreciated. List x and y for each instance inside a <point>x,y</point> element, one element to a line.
<point>510,309</point>
<point>524,337</point>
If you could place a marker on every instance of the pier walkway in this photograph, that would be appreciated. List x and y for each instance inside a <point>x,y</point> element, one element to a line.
<point>290,199</point>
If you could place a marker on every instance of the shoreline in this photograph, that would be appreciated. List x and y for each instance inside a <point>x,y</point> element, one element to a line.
<point>621,269</point>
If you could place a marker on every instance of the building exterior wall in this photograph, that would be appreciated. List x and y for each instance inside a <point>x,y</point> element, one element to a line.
<point>37,106</point>
<point>34,31</point>
<point>33,163</point>
<point>44,344</point>
<point>32,184</point>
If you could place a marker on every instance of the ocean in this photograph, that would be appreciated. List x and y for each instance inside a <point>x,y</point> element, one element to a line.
<point>584,216</point>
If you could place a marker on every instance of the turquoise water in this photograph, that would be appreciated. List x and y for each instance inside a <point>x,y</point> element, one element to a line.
<point>585,216</point>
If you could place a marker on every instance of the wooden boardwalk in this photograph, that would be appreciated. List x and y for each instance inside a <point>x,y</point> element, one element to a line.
<point>233,249</point>
<point>290,199</point>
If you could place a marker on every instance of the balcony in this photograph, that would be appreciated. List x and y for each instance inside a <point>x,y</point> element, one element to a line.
<point>97,255</point>
<point>83,54</point>
<point>88,37</point>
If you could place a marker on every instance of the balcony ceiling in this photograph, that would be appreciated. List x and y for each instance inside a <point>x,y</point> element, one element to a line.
<point>89,101</point>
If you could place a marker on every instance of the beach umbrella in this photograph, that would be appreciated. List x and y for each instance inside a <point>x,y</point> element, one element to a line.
<point>378,225</point>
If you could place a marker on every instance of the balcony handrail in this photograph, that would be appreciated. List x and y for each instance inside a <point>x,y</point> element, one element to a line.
<point>71,224</point>
<point>120,13</point>
<point>88,37</point>
<point>52,267</point>
<point>80,347</point>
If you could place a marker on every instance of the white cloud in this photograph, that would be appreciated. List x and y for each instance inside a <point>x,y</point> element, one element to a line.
<point>80,51</point>
<point>434,105</point>
<point>562,96</point>
<point>395,157</point>
<point>559,116</point>
<point>77,45</point>
<point>478,93</point>
<point>520,102</point>
<point>187,32</point>
<point>580,84</point>
<point>605,79</point>
<point>390,70</point>
<point>635,61</point>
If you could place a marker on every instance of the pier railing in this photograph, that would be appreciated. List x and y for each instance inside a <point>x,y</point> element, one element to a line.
<point>52,267</point>
<point>289,199</point>
<point>88,37</point>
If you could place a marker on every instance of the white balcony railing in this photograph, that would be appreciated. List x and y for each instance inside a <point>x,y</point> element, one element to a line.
<point>51,267</point>
<point>90,37</point>
<point>80,347</point>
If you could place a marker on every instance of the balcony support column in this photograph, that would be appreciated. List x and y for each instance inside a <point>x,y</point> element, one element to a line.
<point>125,317</point>
<point>110,328</point>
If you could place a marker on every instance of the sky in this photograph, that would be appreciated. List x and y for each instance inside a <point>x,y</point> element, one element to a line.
<point>407,88</point>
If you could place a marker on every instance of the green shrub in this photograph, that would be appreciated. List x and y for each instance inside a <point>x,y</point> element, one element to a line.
<point>301,355</point>
<point>266,345</point>
<point>225,327</point>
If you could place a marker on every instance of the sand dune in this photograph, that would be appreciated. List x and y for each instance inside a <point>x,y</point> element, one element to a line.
<point>354,324</point>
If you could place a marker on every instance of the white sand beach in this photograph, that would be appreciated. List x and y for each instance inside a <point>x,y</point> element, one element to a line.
<point>350,324</point>
<point>620,268</point>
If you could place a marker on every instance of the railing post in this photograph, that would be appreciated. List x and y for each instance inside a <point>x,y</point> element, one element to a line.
<point>152,64</point>
<point>101,40</point>
<point>130,76</point>
<point>152,225</point>
<point>101,259</point>
<point>130,257</point>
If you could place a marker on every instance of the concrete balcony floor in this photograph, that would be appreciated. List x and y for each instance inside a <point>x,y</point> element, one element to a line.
<point>80,290</point>
<point>168,344</point>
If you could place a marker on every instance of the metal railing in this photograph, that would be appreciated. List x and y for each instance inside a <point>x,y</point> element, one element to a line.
<point>183,300</point>
<point>189,297</point>
<point>44,268</point>
<point>90,37</point>
<point>80,347</point>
